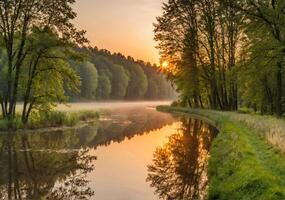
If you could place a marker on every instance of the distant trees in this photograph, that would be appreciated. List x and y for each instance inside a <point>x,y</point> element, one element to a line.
<point>40,55</point>
<point>120,78</point>
<point>138,82</point>
<point>89,80</point>
<point>104,87</point>
<point>120,82</point>
<point>158,88</point>
<point>224,54</point>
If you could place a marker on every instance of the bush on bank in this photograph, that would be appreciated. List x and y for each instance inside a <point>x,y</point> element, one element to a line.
<point>242,164</point>
<point>50,120</point>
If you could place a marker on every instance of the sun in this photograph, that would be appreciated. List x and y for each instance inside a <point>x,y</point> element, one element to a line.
<point>165,65</point>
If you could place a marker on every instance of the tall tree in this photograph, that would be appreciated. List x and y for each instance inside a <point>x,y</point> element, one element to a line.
<point>199,39</point>
<point>18,20</point>
<point>268,19</point>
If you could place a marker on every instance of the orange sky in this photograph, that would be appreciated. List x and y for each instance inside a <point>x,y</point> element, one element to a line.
<point>124,26</point>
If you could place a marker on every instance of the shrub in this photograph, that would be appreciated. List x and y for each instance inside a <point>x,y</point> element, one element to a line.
<point>58,119</point>
<point>12,124</point>
<point>87,115</point>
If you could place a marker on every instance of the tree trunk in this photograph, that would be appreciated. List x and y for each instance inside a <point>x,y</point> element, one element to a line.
<point>201,102</point>
<point>279,109</point>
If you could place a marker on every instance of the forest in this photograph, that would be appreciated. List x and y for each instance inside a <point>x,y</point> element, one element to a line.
<point>45,59</point>
<point>112,76</point>
<point>225,55</point>
<point>223,138</point>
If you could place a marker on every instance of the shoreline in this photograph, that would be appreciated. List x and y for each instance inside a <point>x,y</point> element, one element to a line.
<point>79,125</point>
<point>242,163</point>
<point>53,121</point>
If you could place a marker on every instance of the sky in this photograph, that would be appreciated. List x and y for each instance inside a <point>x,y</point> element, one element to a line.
<point>124,26</point>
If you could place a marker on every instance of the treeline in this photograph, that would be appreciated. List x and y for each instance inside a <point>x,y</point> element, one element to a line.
<point>40,64</point>
<point>107,76</point>
<point>225,54</point>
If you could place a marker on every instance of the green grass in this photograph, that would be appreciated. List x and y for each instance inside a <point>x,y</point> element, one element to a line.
<point>11,125</point>
<point>243,164</point>
<point>53,119</point>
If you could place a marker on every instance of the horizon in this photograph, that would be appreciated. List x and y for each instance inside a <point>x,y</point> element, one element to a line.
<point>132,33</point>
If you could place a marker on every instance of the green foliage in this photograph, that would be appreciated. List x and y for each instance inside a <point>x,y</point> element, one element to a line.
<point>89,80</point>
<point>120,82</point>
<point>261,73</point>
<point>138,83</point>
<point>11,124</point>
<point>59,119</point>
<point>121,78</point>
<point>199,40</point>
<point>87,115</point>
<point>246,167</point>
<point>224,54</point>
<point>153,90</point>
<point>36,54</point>
<point>104,87</point>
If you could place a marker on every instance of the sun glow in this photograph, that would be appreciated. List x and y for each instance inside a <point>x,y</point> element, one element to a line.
<point>165,65</point>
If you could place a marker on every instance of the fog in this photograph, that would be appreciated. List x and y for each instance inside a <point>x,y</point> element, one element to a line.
<point>82,106</point>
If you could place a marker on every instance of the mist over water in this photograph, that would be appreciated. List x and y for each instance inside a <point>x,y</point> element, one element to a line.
<point>110,105</point>
<point>117,158</point>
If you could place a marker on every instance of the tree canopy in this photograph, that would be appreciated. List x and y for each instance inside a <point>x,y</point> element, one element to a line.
<point>225,54</point>
<point>122,78</point>
<point>37,38</point>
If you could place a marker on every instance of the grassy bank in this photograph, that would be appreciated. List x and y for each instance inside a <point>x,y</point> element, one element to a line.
<point>53,119</point>
<point>245,163</point>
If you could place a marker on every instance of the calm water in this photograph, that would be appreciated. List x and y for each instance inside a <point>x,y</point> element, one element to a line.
<point>133,153</point>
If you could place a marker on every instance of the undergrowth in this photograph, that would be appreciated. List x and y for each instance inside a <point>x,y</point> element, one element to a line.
<point>50,119</point>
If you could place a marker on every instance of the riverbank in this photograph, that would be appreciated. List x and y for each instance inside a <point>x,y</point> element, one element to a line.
<point>54,120</point>
<point>246,157</point>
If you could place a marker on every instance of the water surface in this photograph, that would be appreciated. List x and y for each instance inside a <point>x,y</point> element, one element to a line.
<point>133,153</point>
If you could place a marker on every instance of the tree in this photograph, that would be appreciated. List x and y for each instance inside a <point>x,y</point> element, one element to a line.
<point>104,87</point>
<point>265,20</point>
<point>152,90</point>
<point>199,39</point>
<point>48,64</point>
<point>120,82</point>
<point>89,80</point>
<point>18,23</point>
<point>130,78</point>
<point>138,82</point>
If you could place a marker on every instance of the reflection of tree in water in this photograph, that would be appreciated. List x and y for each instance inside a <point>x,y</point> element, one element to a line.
<point>46,165</point>
<point>129,124</point>
<point>27,173</point>
<point>179,169</point>
<point>125,126</point>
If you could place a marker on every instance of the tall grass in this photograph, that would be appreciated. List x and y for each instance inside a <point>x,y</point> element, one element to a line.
<point>11,125</point>
<point>50,119</point>
<point>271,128</point>
<point>59,119</point>
<point>242,165</point>
<point>268,127</point>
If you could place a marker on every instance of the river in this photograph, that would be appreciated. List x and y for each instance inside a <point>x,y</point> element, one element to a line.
<point>133,153</point>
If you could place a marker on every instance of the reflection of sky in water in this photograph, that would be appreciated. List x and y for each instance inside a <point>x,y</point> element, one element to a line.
<point>120,170</point>
<point>124,143</point>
